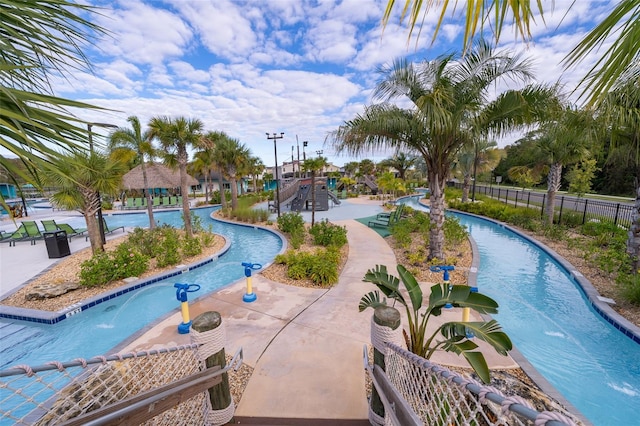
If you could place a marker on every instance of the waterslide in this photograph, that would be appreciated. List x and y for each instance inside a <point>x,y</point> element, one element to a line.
<point>333,198</point>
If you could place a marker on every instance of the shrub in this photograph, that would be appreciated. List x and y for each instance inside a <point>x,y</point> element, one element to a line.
<point>289,222</point>
<point>103,268</point>
<point>96,270</point>
<point>191,246</point>
<point>324,267</point>
<point>454,232</point>
<point>170,254</point>
<point>328,234</point>
<point>630,287</point>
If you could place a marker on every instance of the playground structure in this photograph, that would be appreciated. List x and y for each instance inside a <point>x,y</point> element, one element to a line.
<point>304,196</point>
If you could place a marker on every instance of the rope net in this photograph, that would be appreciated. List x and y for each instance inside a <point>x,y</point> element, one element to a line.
<point>442,397</point>
<point>51,394</point>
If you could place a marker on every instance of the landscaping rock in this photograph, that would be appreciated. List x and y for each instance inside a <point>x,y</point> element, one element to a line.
<point>49,290</point>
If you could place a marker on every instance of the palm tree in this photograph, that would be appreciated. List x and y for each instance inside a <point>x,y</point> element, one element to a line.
<point>401,162</point>
<point>204,163</point>
<point>621,109</point>
<point>138,142</point>
<point>175,135</point>
<point>256,167</point>
<point>313,165</point>
<point>39,38</point>
<point>450,109</point>
<point>563,141</point>
<point>232,157</point>
<point>212,138</point>
<point>81,178</point>
<point>617,61</point>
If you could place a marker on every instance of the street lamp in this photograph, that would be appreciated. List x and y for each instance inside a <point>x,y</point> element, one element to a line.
<point>275,137</point>
<point>100,224</point>
<point>320,152</point>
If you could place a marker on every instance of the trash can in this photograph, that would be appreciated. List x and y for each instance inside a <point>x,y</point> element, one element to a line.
<point>57,244</point>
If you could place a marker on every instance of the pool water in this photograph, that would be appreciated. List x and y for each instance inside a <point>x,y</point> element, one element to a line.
<point>97,330</point>
<point>593,365</point>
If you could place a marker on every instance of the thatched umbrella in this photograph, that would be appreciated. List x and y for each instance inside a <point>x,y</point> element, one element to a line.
<point>158,176</point>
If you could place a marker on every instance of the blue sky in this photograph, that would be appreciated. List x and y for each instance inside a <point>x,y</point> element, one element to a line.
<point>293,66</point>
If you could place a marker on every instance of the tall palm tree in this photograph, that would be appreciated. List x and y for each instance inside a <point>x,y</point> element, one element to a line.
<point>256,167</point>
<point>232,157</point>
<point>313,166</point>
<point>617,61</point>
<point>81,178</point>
<point>139,142</point>
<point>175,136</point>
<point>37,39</point>
<point>564,141</point>
<point>621,109</point>
<point>450,110</point>
<point>204,163</point>
<point>212,139</point>
<point>451,107</point>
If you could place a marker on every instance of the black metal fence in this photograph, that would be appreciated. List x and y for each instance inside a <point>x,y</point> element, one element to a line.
<point>568,208</point>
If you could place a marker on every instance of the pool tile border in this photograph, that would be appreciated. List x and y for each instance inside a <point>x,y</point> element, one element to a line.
<point>47,317</point>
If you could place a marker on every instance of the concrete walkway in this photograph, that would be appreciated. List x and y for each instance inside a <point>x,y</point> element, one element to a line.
<point>305,345</point>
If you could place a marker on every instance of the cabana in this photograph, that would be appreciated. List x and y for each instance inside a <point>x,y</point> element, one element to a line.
<point>159,177</point>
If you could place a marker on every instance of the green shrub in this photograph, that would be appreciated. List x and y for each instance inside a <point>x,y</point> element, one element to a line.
<point>103,268</point>
<point>297,238</point>
<point>290,222</point>
<point>324,267</point>
<point>630,287</point>
<point>328,234</point>
<point>170,254</point>
<point>454,232</point>
<point>191,246</point>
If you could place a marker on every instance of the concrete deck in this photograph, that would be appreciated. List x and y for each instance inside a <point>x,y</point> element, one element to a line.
<point>305,344</point>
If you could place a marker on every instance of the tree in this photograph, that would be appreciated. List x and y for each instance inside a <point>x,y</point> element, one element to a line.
<point>618,60</point>
<point>563,141</point>
<point>40,38</point>
<point>621,110</point>
<point>256,167</point>
<point>581,175</point>
<point>401,162</point>
<point>367,167</point>
<point>212,138</point>
<point>80,179</point>
<point>204,163</point>
<point>450,108</point>
<point>138,142</point>
<point>232,157</point>
<point>524,176</point>
<point>313,165</point>
<point>175,135</point>
<point>454,335</point>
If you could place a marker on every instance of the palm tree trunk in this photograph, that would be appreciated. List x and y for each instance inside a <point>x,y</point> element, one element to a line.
<point>436,216</point>
<point>465,187</point>
<point>223,199</point>
<point>152,223</point>
<point>186,214</point>
<point>92,203</point>
<point>234,192</point>
<point>553,185</point>
<point>633,242</point>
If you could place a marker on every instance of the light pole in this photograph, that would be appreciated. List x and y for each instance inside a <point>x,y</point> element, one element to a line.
<point>298,145</point>
<point>320,152</point>
<point>100,224</point>
<point>275,137</point>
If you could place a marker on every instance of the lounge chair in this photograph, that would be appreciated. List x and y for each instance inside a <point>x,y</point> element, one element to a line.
<point>386,215</point>
<point>386,222</point>
<point>70,230</point>
<point>156,201</point>
<point>27,231</point>
<point>130,203</point>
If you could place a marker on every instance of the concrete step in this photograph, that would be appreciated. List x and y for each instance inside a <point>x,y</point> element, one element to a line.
<point>278,421</point>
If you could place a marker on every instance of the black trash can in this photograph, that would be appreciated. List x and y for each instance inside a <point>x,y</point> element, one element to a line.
<point>57,244</point>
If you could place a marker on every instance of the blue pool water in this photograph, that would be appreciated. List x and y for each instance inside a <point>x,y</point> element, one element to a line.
<point>97,330</point>
<point>592,364</point>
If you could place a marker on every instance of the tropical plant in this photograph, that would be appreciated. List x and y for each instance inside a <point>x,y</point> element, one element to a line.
<point>175,135</point>
<point>450,109</point>
<point>564,141</point>
<point>581,175</point>
<point>451,336</point>
<point>314,165</point>
<point>619,59</point>
<point>256,167</point>
<point>525,176</point>
<point>621,110</point>
<point>138,142</point>
<point>400,162</point>
<point>80,179</point>
<point>232,157</point>
<point>38,39</point>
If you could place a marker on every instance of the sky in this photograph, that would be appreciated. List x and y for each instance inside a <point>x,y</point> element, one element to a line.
<point>302,67</point>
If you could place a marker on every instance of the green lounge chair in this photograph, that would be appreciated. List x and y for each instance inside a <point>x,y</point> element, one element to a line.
<point>156,201</point>
<point>106,228</point>
<point>386,222</point>
<point>130,203</point>
<point>19,234</point>
<point>52,226</point>
<point>28,231</point>
<point>386,215</point>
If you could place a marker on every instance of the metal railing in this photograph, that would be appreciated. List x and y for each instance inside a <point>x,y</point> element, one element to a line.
<point>578,209</point>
